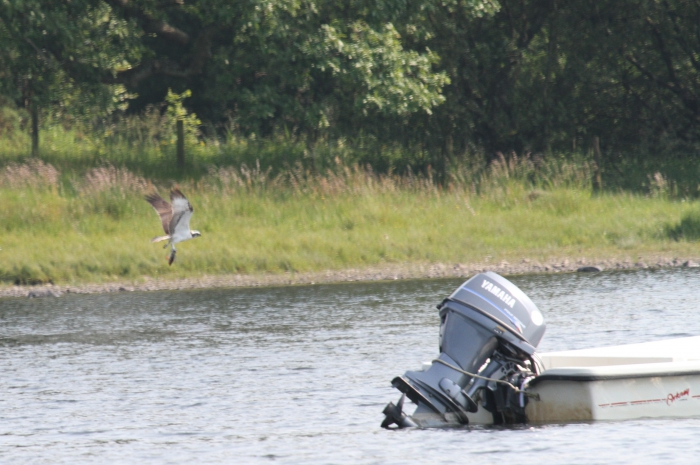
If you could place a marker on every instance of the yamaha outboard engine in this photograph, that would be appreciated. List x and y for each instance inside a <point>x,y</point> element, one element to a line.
<point>488,333</point>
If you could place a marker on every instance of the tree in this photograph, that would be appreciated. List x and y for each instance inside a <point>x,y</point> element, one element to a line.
<point>55,53</point>
<point>265,64</point>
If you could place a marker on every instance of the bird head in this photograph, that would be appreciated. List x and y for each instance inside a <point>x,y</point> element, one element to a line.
<point>195,233</point>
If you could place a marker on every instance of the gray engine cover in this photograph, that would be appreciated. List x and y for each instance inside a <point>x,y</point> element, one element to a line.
<point>502,301</point>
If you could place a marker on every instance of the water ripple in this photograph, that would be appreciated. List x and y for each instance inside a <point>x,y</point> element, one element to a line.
<point>301,374</point>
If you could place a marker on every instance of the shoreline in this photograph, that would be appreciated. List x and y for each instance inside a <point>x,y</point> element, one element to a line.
<point>390,272</point>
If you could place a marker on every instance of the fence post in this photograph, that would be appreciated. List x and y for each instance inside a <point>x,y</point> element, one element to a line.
<point>180,148</point>
<point>597,175</point>
<point>34,111</point>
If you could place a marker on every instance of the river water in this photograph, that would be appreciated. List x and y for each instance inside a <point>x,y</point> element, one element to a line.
<point>300,375</point>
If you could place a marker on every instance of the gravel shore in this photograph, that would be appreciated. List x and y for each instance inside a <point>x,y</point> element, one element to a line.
<point>380,273</point>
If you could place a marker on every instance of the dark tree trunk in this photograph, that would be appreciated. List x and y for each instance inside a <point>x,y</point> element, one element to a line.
<point>34,111</point>
<point>597,175</point>
<point>180,148</point>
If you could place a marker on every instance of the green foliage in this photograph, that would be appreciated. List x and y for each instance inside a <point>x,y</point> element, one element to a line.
<point>391,80</point>
<point>688,229</point>
<point>54,55</point>
<point>412,86</point>
<point>177,111</point>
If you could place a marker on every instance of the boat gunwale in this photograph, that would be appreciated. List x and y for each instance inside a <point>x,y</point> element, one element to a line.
<point>610,377</point>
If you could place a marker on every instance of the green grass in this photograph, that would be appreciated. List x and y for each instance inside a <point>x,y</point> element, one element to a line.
<point>83,234</point>
<point>77,215</point>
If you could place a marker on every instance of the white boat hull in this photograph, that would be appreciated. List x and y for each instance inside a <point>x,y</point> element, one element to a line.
<point>651,380</point>
<point>650,391</point>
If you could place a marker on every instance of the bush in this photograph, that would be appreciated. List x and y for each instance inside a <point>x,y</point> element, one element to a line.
<point>687,229</point>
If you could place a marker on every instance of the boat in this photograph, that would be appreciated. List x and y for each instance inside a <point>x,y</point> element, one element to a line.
<point>488,370</point>
<point>658,379</point>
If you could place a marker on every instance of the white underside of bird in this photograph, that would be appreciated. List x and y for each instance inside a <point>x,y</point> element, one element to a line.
<point>172,240</point>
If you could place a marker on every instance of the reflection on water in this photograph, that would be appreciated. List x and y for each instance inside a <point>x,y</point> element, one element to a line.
<point>301,374</point>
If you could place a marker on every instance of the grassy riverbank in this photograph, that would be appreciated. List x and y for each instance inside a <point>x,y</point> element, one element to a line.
<point>64,225</point>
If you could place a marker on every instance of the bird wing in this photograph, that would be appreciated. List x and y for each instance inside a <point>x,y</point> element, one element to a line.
<point>182,212</point>
<point>163,208</point>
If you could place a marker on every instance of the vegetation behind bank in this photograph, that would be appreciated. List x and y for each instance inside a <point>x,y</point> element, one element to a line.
<point>79,216</point>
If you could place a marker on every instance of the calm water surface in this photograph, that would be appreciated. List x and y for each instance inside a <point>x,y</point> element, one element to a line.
<point>300,375</point>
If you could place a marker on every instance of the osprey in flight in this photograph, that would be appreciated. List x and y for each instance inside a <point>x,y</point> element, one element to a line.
<point>175,219</point>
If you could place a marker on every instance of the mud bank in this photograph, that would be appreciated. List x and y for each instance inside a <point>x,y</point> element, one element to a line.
<point>381,273</point>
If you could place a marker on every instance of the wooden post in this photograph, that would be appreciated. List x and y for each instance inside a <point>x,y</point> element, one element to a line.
<point>34,111</point>
<point>597,175</point>
<point>180,148</point>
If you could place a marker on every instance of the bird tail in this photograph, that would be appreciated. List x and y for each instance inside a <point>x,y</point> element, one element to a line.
<point>160,238</point>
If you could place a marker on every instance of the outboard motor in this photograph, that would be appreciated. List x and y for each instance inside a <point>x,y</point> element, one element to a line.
<point>488,333</point>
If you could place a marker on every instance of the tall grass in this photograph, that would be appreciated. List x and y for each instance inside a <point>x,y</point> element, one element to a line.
<point>62,224</point>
